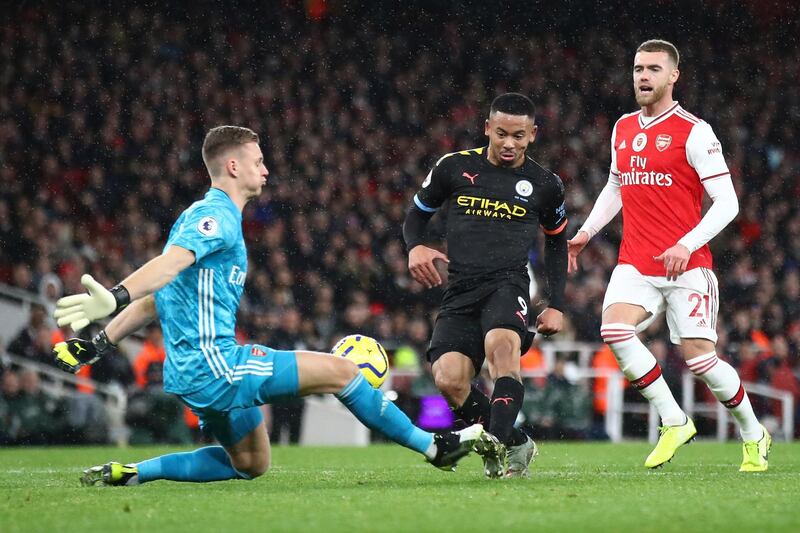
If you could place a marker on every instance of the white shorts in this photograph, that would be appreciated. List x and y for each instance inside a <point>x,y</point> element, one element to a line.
<point>691,301</point>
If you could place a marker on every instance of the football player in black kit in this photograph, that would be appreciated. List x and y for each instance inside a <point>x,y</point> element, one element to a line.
<point>496,198</point>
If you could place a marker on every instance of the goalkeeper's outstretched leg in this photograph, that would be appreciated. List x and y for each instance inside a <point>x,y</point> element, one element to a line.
<point>245,450</point>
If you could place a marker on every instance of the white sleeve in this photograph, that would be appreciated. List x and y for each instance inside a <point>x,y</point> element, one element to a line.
<point>613,168</point>
<point>609,202</point>
<point>704,153</point>
<point>719,215</point>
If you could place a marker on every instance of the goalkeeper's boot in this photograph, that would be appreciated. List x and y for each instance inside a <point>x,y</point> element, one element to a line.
<point>672,438</point>
<point>756,453</point>
<point>520,457</point>
<point>494,455</point>
<point>451,446</point>
<point>116,474</point>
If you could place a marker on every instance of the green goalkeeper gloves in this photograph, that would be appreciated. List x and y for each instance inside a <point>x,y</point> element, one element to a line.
<point>79,310</point>
<point>72,354</point>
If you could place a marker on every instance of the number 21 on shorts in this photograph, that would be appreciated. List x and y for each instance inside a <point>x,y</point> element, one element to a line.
<point>702,305</point>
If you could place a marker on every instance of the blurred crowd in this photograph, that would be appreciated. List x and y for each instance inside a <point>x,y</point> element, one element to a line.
<point>103,112</point>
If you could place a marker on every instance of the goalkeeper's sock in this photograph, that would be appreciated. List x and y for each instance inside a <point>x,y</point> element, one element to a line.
<point>376,412</point>
<point>643,371</point>
<point>205,464</point>
<point>726,386</point>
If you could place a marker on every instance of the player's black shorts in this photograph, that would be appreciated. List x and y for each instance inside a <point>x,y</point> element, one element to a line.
<point>467,314</point>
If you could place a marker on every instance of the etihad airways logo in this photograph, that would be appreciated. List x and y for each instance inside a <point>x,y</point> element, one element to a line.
<point>486,207</point>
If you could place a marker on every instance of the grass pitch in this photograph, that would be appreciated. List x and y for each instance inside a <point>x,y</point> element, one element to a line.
<point>574,487</point>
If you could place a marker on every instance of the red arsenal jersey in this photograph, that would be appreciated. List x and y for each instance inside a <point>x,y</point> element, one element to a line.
<point>661,163</point>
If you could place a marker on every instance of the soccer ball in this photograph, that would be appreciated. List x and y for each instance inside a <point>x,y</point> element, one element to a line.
<point>367,354</point>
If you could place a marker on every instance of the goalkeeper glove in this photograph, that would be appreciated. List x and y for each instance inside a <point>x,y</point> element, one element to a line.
<point>79,310</point>
<point>72,354</point>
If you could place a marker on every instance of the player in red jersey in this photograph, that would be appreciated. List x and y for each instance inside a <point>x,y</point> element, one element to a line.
<point>662,160</point>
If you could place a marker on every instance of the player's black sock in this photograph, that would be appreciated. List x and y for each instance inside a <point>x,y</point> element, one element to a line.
<point>505,406</point>
<point>475,409</point>
<point>517,437</point>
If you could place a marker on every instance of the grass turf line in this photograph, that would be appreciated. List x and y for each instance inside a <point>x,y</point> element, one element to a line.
<point>586,486</point>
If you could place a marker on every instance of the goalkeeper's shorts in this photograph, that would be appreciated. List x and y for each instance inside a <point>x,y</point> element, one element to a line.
<point>229,411</point>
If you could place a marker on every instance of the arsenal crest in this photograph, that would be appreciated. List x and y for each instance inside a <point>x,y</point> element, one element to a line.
<point>663,141</point>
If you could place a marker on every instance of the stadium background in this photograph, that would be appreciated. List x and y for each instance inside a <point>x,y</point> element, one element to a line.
<point>103,111</point>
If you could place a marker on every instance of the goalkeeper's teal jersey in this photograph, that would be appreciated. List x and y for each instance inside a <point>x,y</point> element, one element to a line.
<point>198,308</point>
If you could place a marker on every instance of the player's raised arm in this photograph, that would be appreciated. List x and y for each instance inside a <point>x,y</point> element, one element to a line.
<point>78,310</point>
<point>606,207</point>
<point>426,202</point>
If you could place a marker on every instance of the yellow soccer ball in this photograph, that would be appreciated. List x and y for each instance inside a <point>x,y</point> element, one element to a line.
<point>367,354</point>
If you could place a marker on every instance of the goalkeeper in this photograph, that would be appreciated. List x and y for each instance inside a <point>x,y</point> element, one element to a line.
<point>194,288</point>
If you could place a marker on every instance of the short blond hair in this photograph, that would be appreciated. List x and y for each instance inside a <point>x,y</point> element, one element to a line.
<point>221,139</point>
<point>659,45</point>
